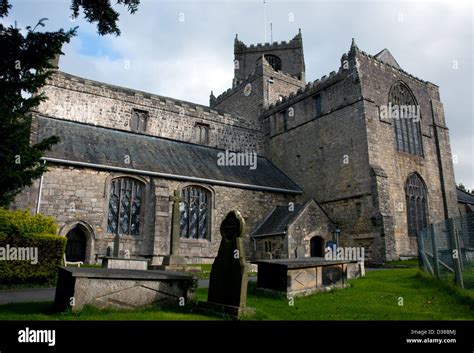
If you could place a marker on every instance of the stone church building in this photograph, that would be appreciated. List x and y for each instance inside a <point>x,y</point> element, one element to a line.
<point>344,158</point>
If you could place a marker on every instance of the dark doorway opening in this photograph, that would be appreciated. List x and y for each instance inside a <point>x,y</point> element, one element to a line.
<point>76,245</point>
<point>317,244</point>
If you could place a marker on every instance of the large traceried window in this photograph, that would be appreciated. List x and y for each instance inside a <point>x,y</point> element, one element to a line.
<point>406,116</point>
<point>125,203</point>
<point>194,210</point>
<point>417,211</point>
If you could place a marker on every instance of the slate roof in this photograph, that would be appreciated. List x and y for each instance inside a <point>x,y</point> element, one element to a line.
<point>387,57</point>
<point>278,221</point>
<point>464,197</point>
<point>106,148</point>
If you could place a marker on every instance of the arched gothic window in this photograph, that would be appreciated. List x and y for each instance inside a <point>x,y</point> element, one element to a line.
<point>194,212</point>
<point>405,113</point>
<point>274,61</point>
<point>417,211</point>
<point>125,203</point>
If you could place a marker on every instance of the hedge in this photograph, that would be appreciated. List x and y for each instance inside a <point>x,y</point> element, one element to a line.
<point>20,229</point>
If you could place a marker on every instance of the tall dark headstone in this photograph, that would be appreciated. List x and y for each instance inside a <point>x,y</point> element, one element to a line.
<point>228,281</point>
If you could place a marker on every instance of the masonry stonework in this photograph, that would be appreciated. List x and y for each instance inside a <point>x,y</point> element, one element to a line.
<point>328,137</point>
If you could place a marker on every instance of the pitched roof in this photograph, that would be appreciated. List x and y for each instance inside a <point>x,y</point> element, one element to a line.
<point>387,57</point>
<point>104,148</point>
<point>464,197</point>
<point>278,220</point>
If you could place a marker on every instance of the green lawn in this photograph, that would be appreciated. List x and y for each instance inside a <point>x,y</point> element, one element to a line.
<point>375,297</point>
<point>206,271</point>
<point>402,263</point>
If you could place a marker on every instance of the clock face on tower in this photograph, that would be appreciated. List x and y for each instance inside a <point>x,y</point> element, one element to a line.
<point>247,89</point>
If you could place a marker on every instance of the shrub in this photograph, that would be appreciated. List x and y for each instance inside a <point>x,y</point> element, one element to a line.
<point>20,229</point>
<point>22,222</point>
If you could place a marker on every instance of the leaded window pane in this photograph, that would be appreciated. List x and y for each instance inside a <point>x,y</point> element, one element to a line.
<point>406,124</point>
<point>183,214</point>
<point>194,213</point>
<point>124,206</point>
<point>417,213</point>
<point>202,230</point>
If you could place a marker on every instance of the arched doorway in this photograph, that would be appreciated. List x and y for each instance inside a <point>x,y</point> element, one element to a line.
<point>76,245</point>
<point>316,245</point>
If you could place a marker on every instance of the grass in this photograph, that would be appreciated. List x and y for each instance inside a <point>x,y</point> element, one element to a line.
<point>402,263</point>
<point>375,297</point>
<point>468,275</point>
<point>206,271</point>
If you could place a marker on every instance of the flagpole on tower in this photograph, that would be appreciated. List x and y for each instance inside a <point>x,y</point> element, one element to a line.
<point>264,21</point>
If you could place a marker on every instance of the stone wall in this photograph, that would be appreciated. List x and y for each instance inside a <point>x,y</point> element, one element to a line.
<point>267,86</point>
<point>277,243</point>
<point>290,53</point>
<point>376,80</point>
<point>80,196</point>
<point>326,153</point>
<point>249,104</point>
<point>87,101</point>
<point>311,222</point>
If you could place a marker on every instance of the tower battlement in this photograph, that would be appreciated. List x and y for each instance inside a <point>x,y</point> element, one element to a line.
<point>287,57</point>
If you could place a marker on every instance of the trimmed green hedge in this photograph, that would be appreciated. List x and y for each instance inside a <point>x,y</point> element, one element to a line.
<point>20,229</point>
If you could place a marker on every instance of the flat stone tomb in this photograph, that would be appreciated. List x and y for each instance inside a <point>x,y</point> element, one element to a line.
<point>123,263</point>
<point>120,288</point>
<point>304,276</point>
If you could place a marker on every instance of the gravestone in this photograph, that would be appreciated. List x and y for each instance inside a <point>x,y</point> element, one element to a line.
<point>173,261</point>
<point>228,281</point>
<point>300,252</point>
<point>122,262</point>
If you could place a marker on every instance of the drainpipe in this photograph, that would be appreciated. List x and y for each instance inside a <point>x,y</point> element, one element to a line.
<point>38,203</point>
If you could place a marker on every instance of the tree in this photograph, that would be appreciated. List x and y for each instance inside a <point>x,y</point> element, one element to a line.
<point>25,66</point>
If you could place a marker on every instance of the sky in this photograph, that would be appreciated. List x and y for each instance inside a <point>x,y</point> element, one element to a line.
<point>184,49</point>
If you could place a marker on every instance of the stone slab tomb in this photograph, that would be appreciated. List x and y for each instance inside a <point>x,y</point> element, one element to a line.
<point>299,277</point>
<point>120,288</point>
<point>123,263</point>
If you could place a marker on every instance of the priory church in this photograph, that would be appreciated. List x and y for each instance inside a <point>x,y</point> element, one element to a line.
<point>306,162</point>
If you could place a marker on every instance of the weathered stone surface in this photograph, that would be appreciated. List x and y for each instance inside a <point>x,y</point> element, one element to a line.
<point>119,288</point>
<point>111,106</point>
<point>345,156</point>
<point>328,136</point>
<point>153,242</point>
<point>299,277</point>
<point>126,264</point>
<point>308,221</point>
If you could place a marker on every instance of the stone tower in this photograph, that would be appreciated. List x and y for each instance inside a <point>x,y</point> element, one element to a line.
<point>286,57</point>
<point>263,74</point>
<point>380,181</point>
